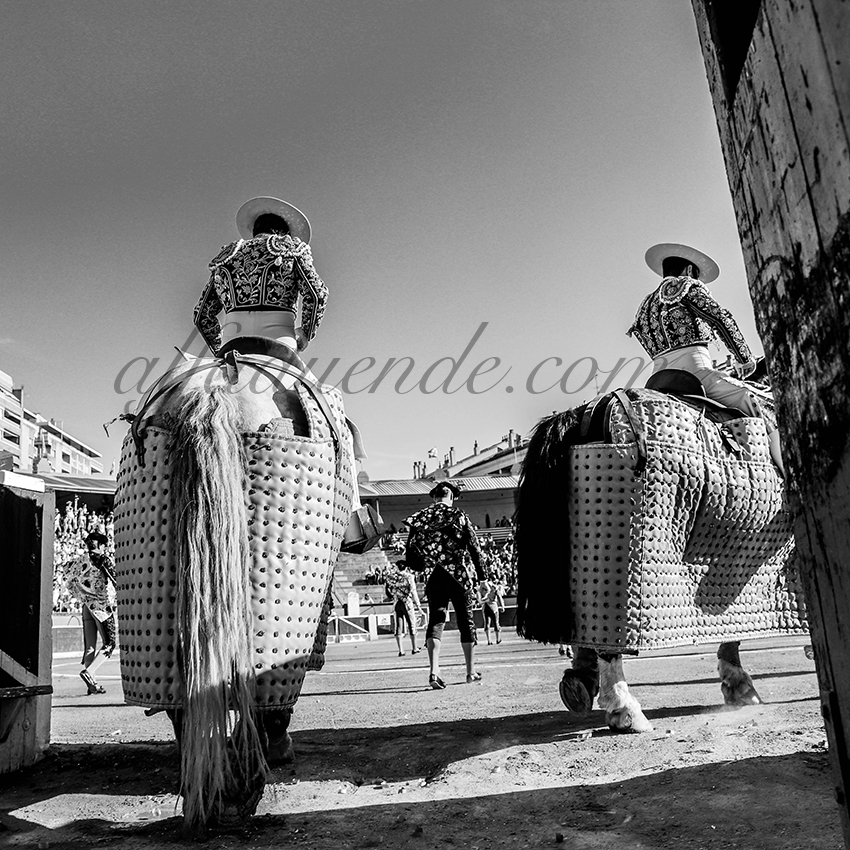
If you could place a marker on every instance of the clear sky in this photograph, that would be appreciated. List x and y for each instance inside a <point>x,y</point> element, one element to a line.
<point>483,161</point>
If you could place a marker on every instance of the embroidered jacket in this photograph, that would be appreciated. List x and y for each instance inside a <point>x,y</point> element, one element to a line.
<point>268,272</point>
<point>400,586</point>
<point>682,312</point>
<point>90,581</point>
<point>445,537</point>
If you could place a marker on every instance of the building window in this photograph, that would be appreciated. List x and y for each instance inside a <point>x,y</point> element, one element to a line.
<point>12,437</point>
<point>66,457</point>
<point>732,26</point>
<point>11,416</point>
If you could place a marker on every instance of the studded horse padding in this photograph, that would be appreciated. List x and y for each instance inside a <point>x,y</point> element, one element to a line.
<point>298,507</point>
<point>696,548</point>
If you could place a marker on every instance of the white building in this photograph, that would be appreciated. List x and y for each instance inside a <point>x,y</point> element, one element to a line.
<point>31,443</point>
<point>502,458</point>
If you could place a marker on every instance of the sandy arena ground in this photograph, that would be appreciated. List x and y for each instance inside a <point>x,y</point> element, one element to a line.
<point>383,761</point>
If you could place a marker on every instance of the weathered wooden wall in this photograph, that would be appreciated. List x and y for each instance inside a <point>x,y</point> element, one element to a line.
<point>26,623</point>
<point>784,134</point>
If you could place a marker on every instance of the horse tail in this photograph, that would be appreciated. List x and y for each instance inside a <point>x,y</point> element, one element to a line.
<point>542,537</point>
<point>214,621</point>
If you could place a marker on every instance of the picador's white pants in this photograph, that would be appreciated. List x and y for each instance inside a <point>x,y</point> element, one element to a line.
<point>719,387</point>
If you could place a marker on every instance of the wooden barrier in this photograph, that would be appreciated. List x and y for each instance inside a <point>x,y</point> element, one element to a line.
<point>26,549</point>
<point>780,83</point>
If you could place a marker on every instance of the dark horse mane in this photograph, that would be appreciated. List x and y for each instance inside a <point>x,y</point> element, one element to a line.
<point>542,512</point>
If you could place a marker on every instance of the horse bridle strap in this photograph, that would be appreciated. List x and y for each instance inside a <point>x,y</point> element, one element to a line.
<point>136,423</point>
<point>637,428</point>
<point>229,353</point>
<point>247,345</point>
<point>312,388</point>
<point>263,345</point>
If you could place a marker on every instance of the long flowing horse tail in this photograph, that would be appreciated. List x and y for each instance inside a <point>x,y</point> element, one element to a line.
<point>542,536</point>
<point>214,621</point>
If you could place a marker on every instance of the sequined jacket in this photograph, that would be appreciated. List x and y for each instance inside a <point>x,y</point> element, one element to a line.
<point>682,312</point>
<point>90,580</point>
<point>400,586</point>
<point>267,272</point>
<point>445,537</point>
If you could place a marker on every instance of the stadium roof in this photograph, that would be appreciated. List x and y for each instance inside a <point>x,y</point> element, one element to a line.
<point>75,483</point>
<point>419,486</point>
<point>374,489</point>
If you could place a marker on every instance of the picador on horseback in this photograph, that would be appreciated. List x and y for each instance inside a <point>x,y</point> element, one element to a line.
<point>659,514</point>
<point>676,323</point>
<point>235,490</point>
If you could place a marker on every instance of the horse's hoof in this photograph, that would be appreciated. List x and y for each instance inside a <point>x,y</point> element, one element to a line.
<point>237,808</point>
<point>574,693</point>
<point>281,751</point>
<point>740,695</point>
<point>628,719</point>
<point>740,691</point>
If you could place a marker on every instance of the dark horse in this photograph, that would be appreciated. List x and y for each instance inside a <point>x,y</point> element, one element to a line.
<point>648,520</point>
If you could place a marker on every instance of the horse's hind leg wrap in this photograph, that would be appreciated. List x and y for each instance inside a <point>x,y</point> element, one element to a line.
<point>276,727</point>
<point>622,710</point>
<point>580,682</point>
<point>735,683</point>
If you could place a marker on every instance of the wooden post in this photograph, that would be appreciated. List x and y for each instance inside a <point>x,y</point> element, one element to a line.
<point>26,621</point>
<point>779,74</point>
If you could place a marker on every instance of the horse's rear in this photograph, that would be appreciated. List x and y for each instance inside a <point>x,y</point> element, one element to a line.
<point>233,496</point>
<point>642,523</point>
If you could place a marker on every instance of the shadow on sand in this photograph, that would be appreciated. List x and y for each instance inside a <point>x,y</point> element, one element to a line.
<point>773,802</point>
<point>766,803</point>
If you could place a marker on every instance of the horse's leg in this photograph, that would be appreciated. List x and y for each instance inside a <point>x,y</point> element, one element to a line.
<point>175,715</point>
<point>736,685</point>
<point>622,710</point>
<point>276,725</point>
<point>580,683</point>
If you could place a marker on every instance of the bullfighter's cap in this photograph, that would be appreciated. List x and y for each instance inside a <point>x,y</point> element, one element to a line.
<point>455,488</point>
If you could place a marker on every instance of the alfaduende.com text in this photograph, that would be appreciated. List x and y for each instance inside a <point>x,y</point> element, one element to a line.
<point>445,374</point>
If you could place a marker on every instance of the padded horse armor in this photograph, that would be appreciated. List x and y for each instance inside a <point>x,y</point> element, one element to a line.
<point>678,529</point>
<point>298,494</point>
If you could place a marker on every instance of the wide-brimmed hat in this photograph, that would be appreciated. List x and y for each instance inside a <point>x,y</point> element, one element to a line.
<point>251,210</point>
<point>455,488</point>
<point>657,254</point>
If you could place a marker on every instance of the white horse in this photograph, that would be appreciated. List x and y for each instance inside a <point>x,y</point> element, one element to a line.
<point>234,490</point>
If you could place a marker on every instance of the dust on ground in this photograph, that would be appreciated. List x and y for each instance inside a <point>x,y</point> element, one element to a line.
<point>384,762</point>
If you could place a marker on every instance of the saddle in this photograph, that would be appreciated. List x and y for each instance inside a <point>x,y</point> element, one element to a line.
<point>689,388</point>
<point>594,422</point>
<point>682,385</point>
